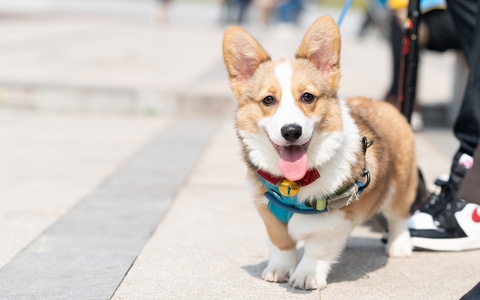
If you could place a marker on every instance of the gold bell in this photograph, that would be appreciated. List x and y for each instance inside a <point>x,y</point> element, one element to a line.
<point>288,188</point>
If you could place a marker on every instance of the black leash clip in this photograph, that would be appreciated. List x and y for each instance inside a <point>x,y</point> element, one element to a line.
<point>361,186</point>
<point>366,144</point>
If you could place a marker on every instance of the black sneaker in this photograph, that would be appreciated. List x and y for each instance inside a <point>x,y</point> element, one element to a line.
<point>446,223</point>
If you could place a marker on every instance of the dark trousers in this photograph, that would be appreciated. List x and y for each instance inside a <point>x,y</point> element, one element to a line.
<point>467,124</point>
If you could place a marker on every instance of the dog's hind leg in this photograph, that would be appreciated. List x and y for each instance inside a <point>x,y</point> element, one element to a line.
<point>398,244</point>
<point>396,212</point>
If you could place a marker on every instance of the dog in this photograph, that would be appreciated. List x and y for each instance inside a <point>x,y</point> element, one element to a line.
<point>319,165</point>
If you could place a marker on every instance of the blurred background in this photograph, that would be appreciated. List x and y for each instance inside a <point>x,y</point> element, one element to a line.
<point>163,56</point>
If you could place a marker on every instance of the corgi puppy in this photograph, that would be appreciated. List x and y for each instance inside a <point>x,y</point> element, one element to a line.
<point>307,157</point>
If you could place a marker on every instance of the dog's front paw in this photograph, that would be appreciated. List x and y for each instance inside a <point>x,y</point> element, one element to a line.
<point>277,273</point>
<point>311,274</point>
<point>306,281</point>
<point>281,264</point>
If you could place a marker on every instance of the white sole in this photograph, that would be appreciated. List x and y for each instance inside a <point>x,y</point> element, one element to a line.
<point>453,244</point>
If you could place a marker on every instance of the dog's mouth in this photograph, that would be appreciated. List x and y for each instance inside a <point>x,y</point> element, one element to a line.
<point>293,160</point>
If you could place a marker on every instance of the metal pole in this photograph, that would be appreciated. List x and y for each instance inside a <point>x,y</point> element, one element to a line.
<point>409,64</point>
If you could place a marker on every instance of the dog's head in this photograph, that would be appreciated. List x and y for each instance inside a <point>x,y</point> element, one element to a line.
<point>286,107</point>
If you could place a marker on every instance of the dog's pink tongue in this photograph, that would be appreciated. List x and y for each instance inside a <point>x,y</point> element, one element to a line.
<point>293,162</point>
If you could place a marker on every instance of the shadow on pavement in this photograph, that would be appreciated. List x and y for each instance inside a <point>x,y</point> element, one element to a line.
<point>356,262</point>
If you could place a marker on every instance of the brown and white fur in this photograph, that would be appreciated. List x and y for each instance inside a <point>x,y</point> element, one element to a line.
<point>275,93</point>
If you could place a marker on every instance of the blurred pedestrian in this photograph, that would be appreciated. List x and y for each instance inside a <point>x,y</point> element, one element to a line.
<point>163,7</point>
<point>265,10</point>
<point>289,11</point>
<point>376,15</point>
<point>234,11</point>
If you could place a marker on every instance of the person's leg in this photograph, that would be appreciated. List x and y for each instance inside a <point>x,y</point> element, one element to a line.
<point>449,222</point>
<point>470,189</point>
<point>242,10</point>
<point>467,125</point>
<point>464,17</point>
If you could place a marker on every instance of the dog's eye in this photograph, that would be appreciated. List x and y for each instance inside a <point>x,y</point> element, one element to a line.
<point>269,100</point>
<point>308,98</point>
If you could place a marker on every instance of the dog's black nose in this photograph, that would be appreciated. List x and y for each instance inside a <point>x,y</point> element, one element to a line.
<point>291,132</point>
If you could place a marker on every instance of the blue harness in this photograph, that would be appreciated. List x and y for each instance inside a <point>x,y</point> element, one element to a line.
<point>283,201</point>
<point>284,206</point>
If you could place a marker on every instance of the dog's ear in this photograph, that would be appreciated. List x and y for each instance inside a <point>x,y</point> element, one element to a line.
<point>321,45</point>
<point>242,55</point>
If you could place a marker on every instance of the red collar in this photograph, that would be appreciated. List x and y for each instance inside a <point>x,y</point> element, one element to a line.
<point>310,177</point>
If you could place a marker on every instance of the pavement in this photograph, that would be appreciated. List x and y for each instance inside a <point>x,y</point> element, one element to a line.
<point>121,176</point>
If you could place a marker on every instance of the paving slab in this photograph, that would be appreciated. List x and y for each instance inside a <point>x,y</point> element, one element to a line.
<point>87,252</point>
<point>50,162</point>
